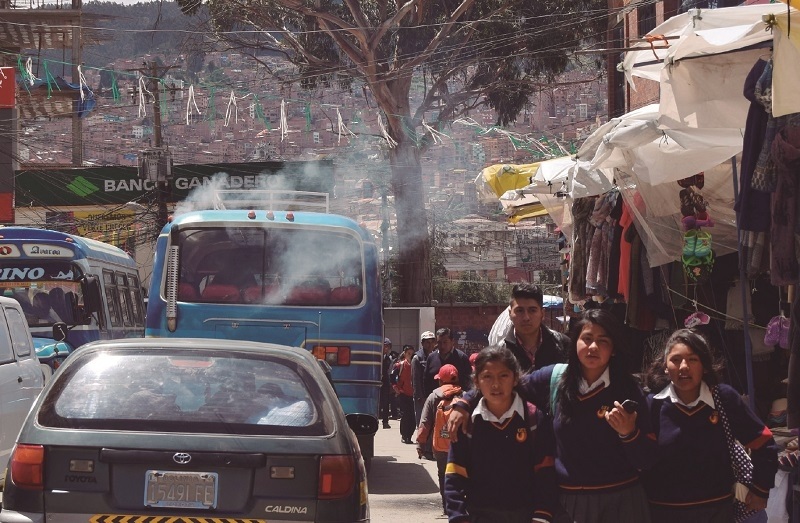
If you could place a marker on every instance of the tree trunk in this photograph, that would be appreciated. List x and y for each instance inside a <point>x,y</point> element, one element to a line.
<point>413,242</point>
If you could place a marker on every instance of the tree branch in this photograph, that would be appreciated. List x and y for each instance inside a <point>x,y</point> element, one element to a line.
<point>402,10</point>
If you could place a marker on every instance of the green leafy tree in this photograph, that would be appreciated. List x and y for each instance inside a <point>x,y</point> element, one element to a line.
<point>471,53</point>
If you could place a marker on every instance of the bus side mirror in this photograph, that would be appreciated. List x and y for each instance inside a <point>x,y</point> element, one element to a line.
<point>92,301</point>
<point>60,331</point>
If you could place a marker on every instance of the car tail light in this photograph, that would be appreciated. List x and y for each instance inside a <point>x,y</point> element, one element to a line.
<point>336,356</point>
<point>27,466</point>
<point>336,476</point>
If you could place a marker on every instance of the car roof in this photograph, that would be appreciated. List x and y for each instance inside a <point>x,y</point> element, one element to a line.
<point>254,347</point>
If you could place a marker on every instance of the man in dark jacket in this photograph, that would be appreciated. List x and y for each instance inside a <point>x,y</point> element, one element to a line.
<point>447,353</point>
<point>386,387</point>
<point>428,344</point>
<point>534,345</point>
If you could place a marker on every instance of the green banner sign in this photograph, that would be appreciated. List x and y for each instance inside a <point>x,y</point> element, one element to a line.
<point>119,185</point>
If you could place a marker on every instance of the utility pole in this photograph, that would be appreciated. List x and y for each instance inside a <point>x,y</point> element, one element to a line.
<point>155,164</point>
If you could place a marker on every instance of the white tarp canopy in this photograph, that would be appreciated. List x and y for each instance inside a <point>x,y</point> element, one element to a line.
<point>701,77</point>
<point>645,159</point>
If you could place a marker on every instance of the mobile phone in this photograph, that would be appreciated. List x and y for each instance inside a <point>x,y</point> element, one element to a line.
<point>630,406</point>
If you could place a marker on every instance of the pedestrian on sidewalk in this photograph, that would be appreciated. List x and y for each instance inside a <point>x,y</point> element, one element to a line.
<point>602,446</point>
<point>503,470</point>
<point>692,411</point>
<point>427,346</point>
<point>386,388</point>
<point>405,394</point>
<point>432,427</point>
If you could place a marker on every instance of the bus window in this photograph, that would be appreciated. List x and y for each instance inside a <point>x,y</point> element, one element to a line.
<point>135,292</point>
<point>126,309</point>
<point>112,298</point>
<point>298,267</point>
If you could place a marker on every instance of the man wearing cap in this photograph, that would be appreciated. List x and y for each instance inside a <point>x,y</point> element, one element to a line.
<point>428,344</point>
<point>534,345</point>
<point>386,387</point>
<point>447,353</point>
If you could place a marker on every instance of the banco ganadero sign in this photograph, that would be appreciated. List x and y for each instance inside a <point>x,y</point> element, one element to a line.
<point>118,185</point>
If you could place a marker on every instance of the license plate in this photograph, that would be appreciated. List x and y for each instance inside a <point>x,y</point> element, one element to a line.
<point>175,489</point>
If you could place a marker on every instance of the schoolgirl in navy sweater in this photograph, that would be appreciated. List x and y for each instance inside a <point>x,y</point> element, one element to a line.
<point>503,470</point>
<point>693,480</point>
<point>600,447</point>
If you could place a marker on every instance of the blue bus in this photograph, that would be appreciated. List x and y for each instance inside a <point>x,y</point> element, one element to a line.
<point>72,289</point>
<point>298,278</point>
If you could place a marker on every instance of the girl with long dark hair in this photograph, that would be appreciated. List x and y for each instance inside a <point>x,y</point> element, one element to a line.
<point>692,482</point>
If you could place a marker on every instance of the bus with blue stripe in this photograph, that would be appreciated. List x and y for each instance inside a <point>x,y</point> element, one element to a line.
<point>299,278</point>
<point>72,289</point>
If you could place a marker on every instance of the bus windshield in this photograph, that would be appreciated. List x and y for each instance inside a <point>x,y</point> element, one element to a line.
<point>44,290</point>
<point>271,266</point>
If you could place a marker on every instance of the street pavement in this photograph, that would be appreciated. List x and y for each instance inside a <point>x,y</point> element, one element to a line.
<point>402,488</point>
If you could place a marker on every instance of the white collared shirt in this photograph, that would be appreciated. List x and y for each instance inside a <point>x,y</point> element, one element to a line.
<point>604,379</point>
<point>483,411</point>
<point>705,396</point>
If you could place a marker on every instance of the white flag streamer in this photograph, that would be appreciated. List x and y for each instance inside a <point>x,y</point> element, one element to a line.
<point>284,125</point>
<point>389,140</point>
<point>342,127</point>
<point>29,71</point>
<point>436,135</point>
<point>232,111</point>
<point>191,101</point>
<point>142,100</point>
<point>82,83</point>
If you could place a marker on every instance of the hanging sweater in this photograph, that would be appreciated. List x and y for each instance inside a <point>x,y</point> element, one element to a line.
<point>784,238</point>
<point>694,467</point>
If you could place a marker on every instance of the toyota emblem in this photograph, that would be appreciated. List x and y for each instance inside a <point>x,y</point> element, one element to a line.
<point>182,458</point>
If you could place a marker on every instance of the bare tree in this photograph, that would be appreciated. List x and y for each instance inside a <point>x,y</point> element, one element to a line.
<point>471,53</point>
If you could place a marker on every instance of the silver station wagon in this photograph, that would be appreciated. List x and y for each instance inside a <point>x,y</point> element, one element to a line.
<point>186,430</point>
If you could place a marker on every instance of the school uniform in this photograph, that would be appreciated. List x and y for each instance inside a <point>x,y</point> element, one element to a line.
<point>693,479</point>
<point>498,474</point>
<point>597,471</point>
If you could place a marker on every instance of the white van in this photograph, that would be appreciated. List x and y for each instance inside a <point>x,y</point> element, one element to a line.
<point>21,377</point>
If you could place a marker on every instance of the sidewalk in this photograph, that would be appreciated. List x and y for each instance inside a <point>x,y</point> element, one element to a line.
<point>402,488</point>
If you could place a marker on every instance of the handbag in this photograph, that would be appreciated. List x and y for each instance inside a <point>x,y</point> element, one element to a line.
<point>740,462</point>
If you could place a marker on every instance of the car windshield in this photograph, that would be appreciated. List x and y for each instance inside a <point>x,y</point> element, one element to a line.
<point>187,392</point>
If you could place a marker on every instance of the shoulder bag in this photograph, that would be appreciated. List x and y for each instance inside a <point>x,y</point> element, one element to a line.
<point>740,462</point>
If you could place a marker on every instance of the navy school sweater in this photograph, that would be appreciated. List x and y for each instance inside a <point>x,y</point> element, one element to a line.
<point>505,466</point>
<point>694,467</point>
<point>590,455</point>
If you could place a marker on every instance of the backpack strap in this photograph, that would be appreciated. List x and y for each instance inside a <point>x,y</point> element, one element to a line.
<point>558,371</point>
<point>530,412</point>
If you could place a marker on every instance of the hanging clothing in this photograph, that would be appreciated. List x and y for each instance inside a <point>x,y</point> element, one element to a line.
<point>764,175</point>
<point>613,257</point>
<point>582,234</point>
<point>785,241</point>
<point>793,389</point>
<point>752,206</point>
<point>626,221</point>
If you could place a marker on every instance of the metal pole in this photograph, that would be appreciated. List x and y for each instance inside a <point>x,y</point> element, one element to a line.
<point>385,245</point>
<point>748,346</point>
<point>163,187</point>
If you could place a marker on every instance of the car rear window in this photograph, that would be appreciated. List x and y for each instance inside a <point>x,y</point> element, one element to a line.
<point>176,392</point>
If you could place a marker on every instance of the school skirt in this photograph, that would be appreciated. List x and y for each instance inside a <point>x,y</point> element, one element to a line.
<point>628,505</point>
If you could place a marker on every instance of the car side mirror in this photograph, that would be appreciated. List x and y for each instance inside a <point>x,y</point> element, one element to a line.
<point>60,331</point>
